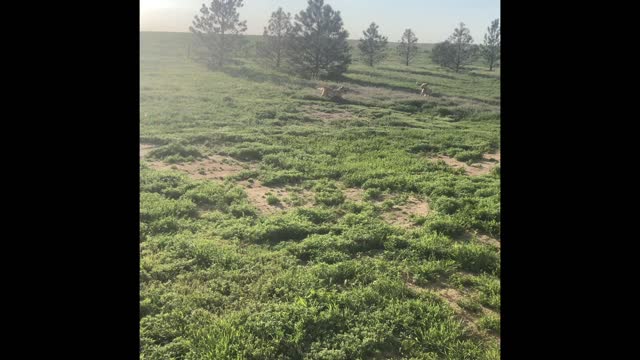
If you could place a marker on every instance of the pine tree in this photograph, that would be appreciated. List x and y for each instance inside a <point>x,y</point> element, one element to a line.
<point>464,50</point>
<point>407,48</point>
<point>218,28</point>
<point>490,50</point>
<point>273,45</point>
<point>373,46</point>
<point>318,43</point>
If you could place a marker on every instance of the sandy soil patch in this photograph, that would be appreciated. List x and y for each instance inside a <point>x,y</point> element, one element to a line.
<point>353,194</point>
<point>489,161</point>
<point>257,194</point>
<point>145,148</point>
<point>452,297</point>
<point>214,167</point>
<point>217,168</point>
<point>483,238</point>
<point>400,215</point>
<point>320,113</point>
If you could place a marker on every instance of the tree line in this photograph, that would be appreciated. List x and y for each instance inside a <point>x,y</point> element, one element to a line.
<point>314,42</point>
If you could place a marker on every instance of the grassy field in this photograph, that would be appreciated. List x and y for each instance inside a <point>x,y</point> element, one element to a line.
<point>276,224</point>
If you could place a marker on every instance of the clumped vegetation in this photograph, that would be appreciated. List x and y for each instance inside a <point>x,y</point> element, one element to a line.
<point>176,152</point>
<point>295,255</point>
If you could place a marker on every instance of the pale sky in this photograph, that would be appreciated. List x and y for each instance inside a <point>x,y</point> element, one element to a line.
<point>431,20</point>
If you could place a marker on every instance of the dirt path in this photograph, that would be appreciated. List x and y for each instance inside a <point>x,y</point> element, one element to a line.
<point>483,238</point>
<point>144,149</point>
<point>214,167</point>
<point>483,167</point>
<point>320,113</point>
<point>452,297</point>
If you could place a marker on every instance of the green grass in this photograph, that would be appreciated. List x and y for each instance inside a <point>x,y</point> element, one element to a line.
<point>328,278</point>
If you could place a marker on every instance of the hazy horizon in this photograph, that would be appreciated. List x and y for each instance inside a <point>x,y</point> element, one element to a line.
<point>431,20</point>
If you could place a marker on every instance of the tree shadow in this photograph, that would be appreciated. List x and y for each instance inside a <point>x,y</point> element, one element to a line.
<point>365,83</point>
<point>480,100</point>
<point>251,74</point>
<point>486,76</point>
<point>336,100</point>
<point>373,73</point>
<point>420,72</point>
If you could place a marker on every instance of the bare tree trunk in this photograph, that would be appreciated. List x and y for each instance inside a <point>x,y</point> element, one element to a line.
<point>222,50</point>
<point>278,50</point>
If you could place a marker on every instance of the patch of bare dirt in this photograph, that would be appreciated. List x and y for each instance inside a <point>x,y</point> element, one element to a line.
<point>257,194</point>
<point>321,113</point>
<point>483,238</point>
<point>400,215</point>
<point>145,148</point>
<point>353,194</point>
<point>489,161</point>
<point>452,297</point>
<point>217,168</point>
<point>495,156</point>
<point>214,167</point>
<point>489,241</point>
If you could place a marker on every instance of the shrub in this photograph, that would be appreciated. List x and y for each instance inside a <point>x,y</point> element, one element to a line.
<point>171,184</point>
<point>445,225</point>
<point>447,205</point>
<point>283,177</point>
<point>327,193</point>
<point>284,227</point>
<point>490,323</point>
<point>214,195</point>
<point>470,303</point>
<point>476,258</point>
<point>155,206</point>
<point>243,209</point>
<point>272,200</point>
<point>175,152</point>
<point>372,194</point>
<point>434,270</point>
<point>469,155</point>
<point>266,114</point>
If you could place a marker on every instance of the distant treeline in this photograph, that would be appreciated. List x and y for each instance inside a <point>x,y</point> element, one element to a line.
<point>314,43</point>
